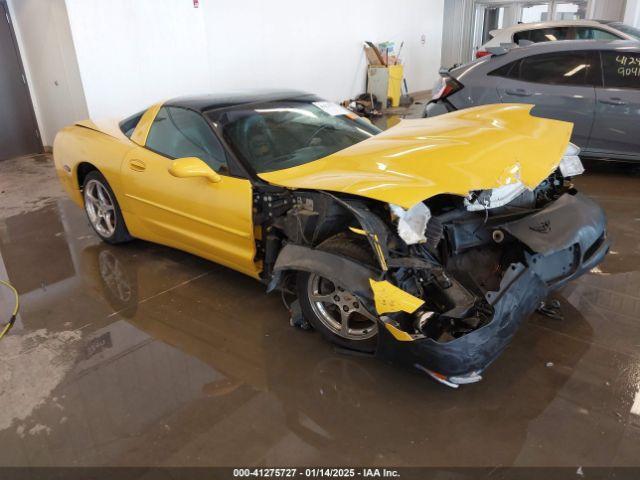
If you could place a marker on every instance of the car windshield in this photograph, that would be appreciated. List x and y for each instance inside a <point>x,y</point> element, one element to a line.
<point>628,29</point>
<point>278,135</point>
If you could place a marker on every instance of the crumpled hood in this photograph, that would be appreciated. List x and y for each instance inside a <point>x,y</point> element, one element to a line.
<point>474,149</point>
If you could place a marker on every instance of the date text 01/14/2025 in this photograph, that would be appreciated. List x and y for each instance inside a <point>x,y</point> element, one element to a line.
<point>315,473</point>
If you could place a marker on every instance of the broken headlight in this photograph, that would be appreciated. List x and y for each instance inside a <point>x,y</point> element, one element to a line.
<point>571,165</point>
<point>497,197</point>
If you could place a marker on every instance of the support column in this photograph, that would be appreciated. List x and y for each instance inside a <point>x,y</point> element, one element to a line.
<point>632,13</point>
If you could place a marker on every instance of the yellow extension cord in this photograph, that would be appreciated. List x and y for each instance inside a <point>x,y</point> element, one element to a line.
<point>14,314</point>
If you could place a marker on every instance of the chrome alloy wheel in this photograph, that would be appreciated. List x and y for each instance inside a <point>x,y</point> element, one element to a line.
<point>100,208</point>
<point>340,310</point>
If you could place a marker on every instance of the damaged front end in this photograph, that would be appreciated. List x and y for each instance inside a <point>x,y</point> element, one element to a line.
<point>501,262</point>
<point>454,276</point>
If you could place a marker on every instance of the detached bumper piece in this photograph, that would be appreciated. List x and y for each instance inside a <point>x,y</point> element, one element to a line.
<point>559,243</point>
<point>470,354</point>
<point>568,238</point>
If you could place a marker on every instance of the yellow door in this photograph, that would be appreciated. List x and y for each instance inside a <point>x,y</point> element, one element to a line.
<point>212,220</point>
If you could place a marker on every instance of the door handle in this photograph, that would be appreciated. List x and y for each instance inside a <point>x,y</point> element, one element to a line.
<point>137,165</point>
<point>518,92</point>
<point>613,101</point>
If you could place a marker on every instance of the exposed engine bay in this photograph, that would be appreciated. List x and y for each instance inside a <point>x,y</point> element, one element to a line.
<point>452,277</point>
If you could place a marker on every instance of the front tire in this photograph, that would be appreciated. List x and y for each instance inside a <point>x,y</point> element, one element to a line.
<point>332,308</point>
<point>103,210</point>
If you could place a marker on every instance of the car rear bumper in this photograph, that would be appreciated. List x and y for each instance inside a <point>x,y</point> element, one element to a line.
<point>564,240</point>
<point>437,107</point>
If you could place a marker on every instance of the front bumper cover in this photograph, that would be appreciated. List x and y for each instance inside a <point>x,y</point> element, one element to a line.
<point>565,239</point>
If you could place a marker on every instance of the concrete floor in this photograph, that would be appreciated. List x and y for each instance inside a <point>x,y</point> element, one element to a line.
<point>143,355</point>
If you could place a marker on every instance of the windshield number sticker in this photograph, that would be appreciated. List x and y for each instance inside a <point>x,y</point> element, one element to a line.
<point>332,109</point>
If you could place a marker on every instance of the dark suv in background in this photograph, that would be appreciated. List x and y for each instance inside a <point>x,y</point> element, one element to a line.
<point>595,85</point>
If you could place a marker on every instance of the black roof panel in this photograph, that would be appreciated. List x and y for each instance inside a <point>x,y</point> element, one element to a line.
<point>223,100</point>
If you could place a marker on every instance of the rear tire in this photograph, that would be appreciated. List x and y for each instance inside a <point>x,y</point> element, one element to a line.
<point>103,210</point>
<point>331,308</point>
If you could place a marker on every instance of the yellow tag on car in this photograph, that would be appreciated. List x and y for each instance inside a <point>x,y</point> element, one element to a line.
<point>389,298</point>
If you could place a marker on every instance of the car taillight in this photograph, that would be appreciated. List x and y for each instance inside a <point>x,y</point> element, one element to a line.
<point>482,53</point>
<point>445,87</point>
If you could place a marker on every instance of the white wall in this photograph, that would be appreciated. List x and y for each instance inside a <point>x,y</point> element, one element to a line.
<point>42,30</point>
<point>134,53</point>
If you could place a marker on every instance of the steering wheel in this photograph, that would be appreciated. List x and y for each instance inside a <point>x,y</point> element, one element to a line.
<point>315,134</point>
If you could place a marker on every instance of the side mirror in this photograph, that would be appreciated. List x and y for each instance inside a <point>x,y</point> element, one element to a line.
<point>193,167</point>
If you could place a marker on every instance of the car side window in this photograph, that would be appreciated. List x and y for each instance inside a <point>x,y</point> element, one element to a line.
<point>553,34</point>
<point>621,69</point>
<point>177,133</point>
<point>589,33</point>
<point>128,125</point>
<point>566,68</point>
<point>524,35</point>
<point>510,70</point>
<point>547,34</point>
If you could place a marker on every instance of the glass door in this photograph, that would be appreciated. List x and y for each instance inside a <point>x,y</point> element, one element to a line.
<point>493,19</point>
<point>570,10</point>
<point>488,17</point>
<point>535,12</point>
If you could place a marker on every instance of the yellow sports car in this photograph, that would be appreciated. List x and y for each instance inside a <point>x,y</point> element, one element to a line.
<point>427,243</point>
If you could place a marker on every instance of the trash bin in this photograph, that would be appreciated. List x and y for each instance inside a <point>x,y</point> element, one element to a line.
<point>396,73</point>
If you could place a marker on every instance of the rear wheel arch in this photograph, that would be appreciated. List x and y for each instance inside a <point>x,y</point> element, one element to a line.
<point>84,169</point>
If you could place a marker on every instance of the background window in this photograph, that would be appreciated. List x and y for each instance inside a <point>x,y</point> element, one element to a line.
<point>621,69</point>
<point>568,68</point>
<point>178,132</point>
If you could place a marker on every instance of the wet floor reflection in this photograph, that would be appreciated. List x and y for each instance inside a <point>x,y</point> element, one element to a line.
<point>139,354</point>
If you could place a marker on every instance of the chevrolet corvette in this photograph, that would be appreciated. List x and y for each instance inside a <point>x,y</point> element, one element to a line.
<point>426,244</point>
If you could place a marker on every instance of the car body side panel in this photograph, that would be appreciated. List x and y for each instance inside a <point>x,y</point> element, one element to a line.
<point>482,92</point>
<point>617,123</point>
<point>109,126</point>
<point>141,131</point>
<point>76,144</point>
<point>480,89</point>
<point>478,148</point>
<point>211,220</point>
<point>571,103</point>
